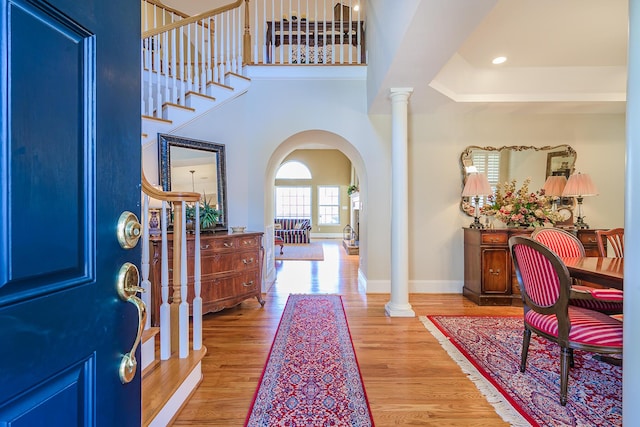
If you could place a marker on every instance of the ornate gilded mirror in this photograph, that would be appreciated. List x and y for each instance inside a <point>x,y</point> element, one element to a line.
<point>503,164</point>
<point>196,166</point>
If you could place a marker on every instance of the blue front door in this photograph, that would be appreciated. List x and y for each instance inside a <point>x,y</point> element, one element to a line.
<point>69,166</point>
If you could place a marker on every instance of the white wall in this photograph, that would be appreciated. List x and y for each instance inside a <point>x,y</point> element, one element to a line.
<point>277,116</point>
<point>435,144</point>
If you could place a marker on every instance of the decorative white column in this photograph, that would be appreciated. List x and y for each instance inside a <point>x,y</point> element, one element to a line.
<point>399,305</point>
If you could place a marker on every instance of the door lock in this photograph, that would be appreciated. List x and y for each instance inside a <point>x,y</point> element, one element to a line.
<point>129,230</point>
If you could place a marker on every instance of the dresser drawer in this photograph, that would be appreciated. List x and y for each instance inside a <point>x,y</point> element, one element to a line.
<point>499,238</point>
<point>223,262</point>
<point>588,238</point>
<point>236,243</point>
<point>232,286</point>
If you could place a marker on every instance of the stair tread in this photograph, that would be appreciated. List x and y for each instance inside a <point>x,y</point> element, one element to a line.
<point>162,380</point>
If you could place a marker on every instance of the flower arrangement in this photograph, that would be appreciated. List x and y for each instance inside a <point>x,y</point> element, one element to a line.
<point>521,207</point>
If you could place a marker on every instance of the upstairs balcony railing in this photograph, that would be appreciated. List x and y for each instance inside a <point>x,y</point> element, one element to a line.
<point>183,54</point>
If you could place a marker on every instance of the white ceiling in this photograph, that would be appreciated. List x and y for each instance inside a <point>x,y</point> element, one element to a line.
<point>566,56</point>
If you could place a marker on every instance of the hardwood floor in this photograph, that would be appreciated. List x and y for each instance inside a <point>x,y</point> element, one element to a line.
<point>409,379</point>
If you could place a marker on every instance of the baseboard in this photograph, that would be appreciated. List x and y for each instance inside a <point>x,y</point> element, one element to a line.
<point>326,236</point>
<point>415,286</point>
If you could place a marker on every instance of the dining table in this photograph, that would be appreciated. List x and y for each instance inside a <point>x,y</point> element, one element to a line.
<point>601,270</point>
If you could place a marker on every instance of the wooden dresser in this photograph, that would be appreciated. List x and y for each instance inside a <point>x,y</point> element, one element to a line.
<point>231,270</point>
<point>489,274</point>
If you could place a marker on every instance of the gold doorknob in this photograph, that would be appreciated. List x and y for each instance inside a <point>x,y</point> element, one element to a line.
<point>129,230</point>
<point>127,287</point>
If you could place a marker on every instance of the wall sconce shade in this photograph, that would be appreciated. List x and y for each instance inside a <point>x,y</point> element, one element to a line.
<point>578,186</point>
<point>477,185</point>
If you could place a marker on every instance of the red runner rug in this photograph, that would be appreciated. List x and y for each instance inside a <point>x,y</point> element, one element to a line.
<point>488,349</point>
<point>312,376</point>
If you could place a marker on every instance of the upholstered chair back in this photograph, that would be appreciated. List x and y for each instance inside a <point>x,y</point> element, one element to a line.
<point>563,243</point>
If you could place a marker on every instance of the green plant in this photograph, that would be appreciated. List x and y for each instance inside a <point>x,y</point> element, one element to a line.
<point>352,189</point>
<point>208,214</point>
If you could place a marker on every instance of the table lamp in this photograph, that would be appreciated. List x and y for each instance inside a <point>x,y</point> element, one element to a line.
<point>476,185</point>
<point>579,185</point>
<point>554,186</point>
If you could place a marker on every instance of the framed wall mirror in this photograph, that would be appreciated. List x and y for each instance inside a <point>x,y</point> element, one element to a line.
<point>503,164</point>
<point>195,166</point>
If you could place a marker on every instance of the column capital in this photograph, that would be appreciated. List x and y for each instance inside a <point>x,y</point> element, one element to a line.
<point>404,92</point>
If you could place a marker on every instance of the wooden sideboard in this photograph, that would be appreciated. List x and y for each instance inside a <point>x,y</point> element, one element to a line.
<point>231,270</point>
<point>489,274</point>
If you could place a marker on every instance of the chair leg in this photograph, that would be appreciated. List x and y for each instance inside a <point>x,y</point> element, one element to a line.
<point>526,338</point>
<point>564,374</point>
<point>571,362</point>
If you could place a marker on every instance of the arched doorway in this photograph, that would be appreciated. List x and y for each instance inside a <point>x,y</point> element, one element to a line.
<point>312,139</point>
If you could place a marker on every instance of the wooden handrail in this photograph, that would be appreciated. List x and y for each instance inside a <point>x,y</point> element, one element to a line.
<point>169,196</point>
<point>167,8</point>
<point>192,19</point>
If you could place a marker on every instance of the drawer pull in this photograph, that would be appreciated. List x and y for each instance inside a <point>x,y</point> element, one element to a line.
<point>228,245</point>
<point>247,284</point>
<point>247,261</point>
<point>592,240</point>
<point>495,273</point>
<point>205,247</point>
<point>493,240</point>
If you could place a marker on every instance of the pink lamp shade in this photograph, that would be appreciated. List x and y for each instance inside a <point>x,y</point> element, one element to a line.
<point>554,185</point>
<point>477,185</point>
<point>579,185</point>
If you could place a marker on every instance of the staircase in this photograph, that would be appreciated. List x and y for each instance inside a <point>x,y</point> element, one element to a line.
<point>190,64</point>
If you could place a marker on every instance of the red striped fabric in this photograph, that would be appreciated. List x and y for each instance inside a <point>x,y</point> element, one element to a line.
<point>539,278</point>
<point>606,293</point>
<point>560,243</point>
<point>587,326</point>
<point>566,246</point>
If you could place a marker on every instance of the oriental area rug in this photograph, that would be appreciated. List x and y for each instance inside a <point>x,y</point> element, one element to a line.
<point>488,350</point>
<point>312,376</point>
<point>300,252</point>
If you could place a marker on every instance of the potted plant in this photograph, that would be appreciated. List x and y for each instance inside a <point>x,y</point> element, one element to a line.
<point>352,189</point>
<point>208,215</point>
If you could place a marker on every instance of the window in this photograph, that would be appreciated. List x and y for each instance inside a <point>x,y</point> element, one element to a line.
<point>488,163</point>
<point>293,170</point>
<point>329,205</point>
<point>293,202</point>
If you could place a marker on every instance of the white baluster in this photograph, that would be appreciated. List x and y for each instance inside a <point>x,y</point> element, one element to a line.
<point>144,263</point>
<point>183,313</point>
<point>174,67</point>
<point>165,308</point>
<point>197,284</point>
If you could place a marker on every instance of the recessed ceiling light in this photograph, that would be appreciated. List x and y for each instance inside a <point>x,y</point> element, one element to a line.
<point>499,60</point>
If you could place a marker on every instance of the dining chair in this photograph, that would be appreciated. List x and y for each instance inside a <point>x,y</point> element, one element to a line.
<point>545,285</point>
<point>565,244</point>
<point>614,239</point>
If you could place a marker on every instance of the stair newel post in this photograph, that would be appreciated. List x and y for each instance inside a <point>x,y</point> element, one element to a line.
<point>165,308</point>
<point>179,229</point>
<point>246,37</point>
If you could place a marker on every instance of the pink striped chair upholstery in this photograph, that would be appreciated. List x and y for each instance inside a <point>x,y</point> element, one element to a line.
<point>565,244</point>
<point>546,285</point>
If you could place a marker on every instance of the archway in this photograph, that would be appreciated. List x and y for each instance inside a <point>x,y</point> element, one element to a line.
<point>312,139</point>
